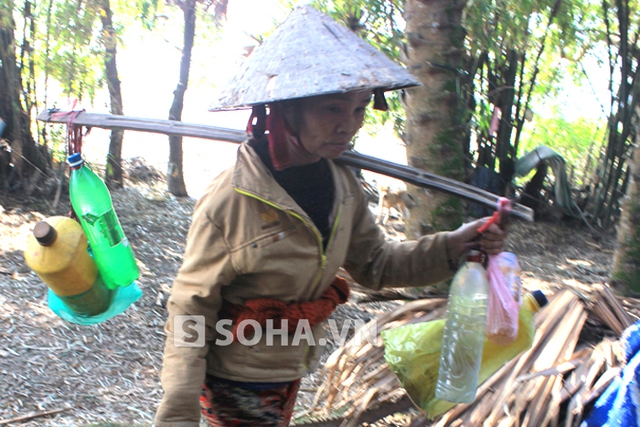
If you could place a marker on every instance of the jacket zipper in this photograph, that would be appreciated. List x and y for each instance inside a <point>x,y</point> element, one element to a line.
<point>323,256</point>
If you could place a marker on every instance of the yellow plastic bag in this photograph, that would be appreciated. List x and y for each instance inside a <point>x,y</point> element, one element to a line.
<point>413,354</point>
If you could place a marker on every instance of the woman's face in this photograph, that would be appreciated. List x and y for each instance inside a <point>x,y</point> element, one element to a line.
<point>326,124</point>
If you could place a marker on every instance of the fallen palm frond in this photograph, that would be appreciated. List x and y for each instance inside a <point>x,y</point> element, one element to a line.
<point>357,376</point>
<point>550,384</point>
<point>609,311</point>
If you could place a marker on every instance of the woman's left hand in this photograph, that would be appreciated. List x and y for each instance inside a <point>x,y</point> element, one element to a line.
<point>491,241</point>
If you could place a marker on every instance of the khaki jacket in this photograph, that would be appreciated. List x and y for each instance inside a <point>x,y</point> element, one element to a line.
<point>249,239</point>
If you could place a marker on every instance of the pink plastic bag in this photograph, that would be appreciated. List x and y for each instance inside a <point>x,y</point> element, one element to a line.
<point>504,298</point>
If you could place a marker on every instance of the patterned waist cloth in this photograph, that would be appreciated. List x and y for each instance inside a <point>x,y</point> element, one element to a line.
<point>227,404</point>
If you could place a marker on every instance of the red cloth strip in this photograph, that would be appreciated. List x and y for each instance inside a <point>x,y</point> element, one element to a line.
<point>261,309</point>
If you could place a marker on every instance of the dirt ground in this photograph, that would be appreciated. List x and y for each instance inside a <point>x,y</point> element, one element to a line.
<point>110,372</point>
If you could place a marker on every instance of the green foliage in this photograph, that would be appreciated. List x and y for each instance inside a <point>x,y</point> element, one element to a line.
<point>6,8</point>
<point>562,31</point>
<point>447,215</point>
<point>380,23</point>
<point>58,143</point>
<point>551,38</point>
<point>395,113</point>
<point>578,141</point>
<point>448,150</point>
<point>74,58</point>
<point>494,25</point>
<point>377,21</point>
<point>70,44</point>
<point>482,119</point>
<point>148,13</point>
<point>132,15</point>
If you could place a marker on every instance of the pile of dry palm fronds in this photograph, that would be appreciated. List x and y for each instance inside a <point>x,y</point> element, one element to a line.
<point>357,376</point>
<point>552,383</point>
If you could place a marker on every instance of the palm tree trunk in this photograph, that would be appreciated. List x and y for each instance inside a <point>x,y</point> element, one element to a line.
<point>626,262</point>
<point>433,138</point>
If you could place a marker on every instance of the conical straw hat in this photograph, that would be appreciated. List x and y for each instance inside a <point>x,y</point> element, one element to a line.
<point>310,54</point>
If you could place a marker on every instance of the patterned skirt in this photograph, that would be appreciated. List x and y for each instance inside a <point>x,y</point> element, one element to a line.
<point>224,404</point>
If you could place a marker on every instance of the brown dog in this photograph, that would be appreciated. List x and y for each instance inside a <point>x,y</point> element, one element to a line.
<point>400,200</point>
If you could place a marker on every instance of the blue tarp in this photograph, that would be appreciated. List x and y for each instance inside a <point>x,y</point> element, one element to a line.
<point>619,405</point>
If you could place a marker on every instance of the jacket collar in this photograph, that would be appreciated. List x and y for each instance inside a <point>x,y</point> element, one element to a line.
<point>250,175</point>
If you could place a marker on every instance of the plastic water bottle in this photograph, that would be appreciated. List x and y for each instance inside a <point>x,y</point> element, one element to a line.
<point>57,252</point>
<point>92,204</point>
<point>464,332</point>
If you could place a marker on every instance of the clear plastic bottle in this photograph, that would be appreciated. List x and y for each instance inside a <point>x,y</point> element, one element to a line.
<point>92,204</point>
<point>464,332</point>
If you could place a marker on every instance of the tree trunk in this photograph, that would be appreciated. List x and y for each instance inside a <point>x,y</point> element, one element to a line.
<point>433,138</point>
<point>624,126</point>
<point>113,174</point>
<point>24,165</point>
<point>612,169</point>
<point>626,262</point>
<point>505,152</point>
<point>175,177</point>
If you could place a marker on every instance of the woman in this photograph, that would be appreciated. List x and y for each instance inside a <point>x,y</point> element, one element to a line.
<point>270,234</point>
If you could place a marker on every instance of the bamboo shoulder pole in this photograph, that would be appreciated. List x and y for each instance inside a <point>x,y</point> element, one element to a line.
<point>408,174</point>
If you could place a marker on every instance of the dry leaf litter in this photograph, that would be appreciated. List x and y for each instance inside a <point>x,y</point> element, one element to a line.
<point>110,372</point>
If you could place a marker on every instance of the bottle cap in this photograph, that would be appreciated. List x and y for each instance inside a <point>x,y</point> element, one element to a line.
<point>44,233</point>
<point>75,160</point>
<point>475,256</point>
<point>540,298</point>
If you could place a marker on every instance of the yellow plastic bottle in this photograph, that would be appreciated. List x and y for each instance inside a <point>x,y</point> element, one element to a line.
<point>57,252</point>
